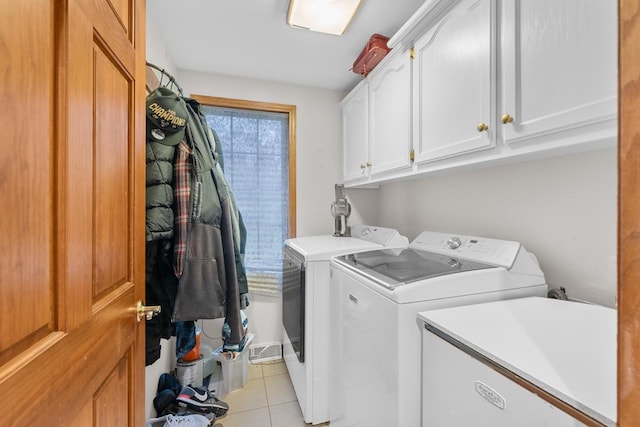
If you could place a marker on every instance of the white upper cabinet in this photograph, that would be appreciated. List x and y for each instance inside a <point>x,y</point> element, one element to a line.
<point>376,120</point>
<point>355,134</point>
<point>559,71</point>
<point>390,116</point>
<point>492,81</point>
<point>454,83</point>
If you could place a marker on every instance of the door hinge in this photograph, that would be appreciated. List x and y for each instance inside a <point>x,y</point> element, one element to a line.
<point>412,53</point>
<point>412,155</point>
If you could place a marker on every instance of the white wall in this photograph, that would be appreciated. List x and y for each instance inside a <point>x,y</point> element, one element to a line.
<point>157,53</point>
<point>563,209</point>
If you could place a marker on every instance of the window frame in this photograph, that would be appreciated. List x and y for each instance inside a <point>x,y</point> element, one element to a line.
<point>290,110</point>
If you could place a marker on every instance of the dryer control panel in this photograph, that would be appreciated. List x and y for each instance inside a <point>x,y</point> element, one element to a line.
<point>501,253</point>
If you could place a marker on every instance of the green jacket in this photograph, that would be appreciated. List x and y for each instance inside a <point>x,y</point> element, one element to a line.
<point>159,191</point>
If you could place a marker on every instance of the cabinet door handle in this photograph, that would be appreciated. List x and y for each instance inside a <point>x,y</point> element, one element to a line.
<point>507,118</point>
<point>369,164</point>
<point>362,166</point>
<point>482,127</point>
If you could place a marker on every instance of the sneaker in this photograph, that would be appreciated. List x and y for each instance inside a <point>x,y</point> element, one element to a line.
<point>175,409</point>
<point>156,422</point>
<point>193,420</point>
<point>200,400</point>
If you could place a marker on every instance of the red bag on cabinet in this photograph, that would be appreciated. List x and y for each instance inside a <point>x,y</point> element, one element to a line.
<point>373,52</point>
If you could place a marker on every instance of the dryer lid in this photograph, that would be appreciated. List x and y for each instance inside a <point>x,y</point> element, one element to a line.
<point>392,268</point>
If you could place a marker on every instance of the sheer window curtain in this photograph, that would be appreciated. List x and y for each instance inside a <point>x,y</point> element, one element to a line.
<point>255,149</point>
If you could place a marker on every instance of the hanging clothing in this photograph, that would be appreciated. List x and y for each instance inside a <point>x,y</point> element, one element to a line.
<point>185,337</point>
<point>237,234</point>
<point>212,136</point>
<point>166,117</point>
<point>213,276</point>
<point>199,257</point>
<point>182,191</point>
<point>238,229</point>
<point>196,238</point>
<point>159,191</point>
<point>161,288</point>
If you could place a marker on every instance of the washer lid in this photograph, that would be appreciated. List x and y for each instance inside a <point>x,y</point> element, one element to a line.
<point>365,237</point>
<point>322,248</point>
<point>392,268</point>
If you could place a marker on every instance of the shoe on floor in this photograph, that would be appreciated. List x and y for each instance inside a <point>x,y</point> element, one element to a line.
<point>199,399</point>
<point>175,409</point>
<point>193,420</point>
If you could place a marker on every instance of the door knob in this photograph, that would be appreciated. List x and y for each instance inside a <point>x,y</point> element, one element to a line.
<point>506,118</point>
<point>146,311</point>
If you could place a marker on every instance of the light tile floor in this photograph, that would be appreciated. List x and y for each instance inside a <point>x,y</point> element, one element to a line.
<point>267,400</point>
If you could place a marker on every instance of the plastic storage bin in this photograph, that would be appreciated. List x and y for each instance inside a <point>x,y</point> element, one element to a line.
<point>235,366</point>
<point>209,362</point>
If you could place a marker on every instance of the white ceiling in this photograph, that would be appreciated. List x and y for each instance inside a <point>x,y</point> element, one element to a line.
<point>251,38</point>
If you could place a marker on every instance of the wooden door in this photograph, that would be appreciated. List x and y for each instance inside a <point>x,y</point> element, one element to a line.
<point>629,215</point>
<point>72,232</point>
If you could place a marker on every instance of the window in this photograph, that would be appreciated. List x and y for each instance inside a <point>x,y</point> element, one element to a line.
<point>258,148</point>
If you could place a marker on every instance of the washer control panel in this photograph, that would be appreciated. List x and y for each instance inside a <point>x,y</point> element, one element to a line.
<point>489,251</point>
<point>454,242</point>
<point>382,236</point>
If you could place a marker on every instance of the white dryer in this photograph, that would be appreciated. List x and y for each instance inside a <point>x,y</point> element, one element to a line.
<point>306,311</point>
<point>375,297</point>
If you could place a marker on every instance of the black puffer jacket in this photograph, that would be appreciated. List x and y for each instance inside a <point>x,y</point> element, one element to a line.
<point>159,204</point>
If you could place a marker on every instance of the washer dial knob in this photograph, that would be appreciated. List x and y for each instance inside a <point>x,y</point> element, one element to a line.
<point>454,242</point>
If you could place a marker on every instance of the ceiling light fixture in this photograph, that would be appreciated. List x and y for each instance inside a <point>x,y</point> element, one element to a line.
<point>325,16</point>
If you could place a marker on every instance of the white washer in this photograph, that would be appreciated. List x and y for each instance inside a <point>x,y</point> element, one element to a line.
<point>305,309</point>
<point>375,298</point>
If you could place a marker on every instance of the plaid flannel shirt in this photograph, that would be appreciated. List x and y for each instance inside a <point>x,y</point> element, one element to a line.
<point>182,169</point>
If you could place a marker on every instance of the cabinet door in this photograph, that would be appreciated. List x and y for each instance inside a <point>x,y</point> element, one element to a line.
<point>390,116</point>
<point>558,68</point>
<point>454,81</point>
<point>355,128</point>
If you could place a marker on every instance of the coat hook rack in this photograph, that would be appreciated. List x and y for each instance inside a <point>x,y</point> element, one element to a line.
<point>171,81</point>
